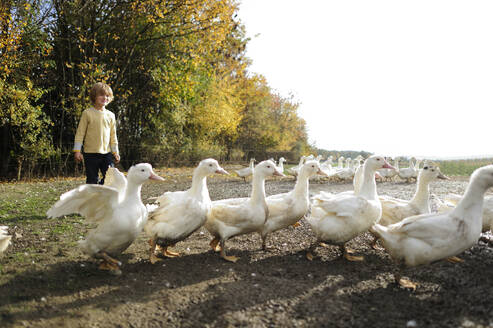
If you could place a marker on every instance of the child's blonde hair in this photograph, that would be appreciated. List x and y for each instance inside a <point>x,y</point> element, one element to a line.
<point>98,89</point>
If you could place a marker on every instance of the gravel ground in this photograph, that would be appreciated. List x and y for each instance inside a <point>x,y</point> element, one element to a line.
<point>59,286</point>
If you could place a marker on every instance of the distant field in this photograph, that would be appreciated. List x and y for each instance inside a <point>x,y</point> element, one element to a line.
<point>462,167</point>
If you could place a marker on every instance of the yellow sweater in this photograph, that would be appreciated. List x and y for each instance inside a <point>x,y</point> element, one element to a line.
<point>97,131</point>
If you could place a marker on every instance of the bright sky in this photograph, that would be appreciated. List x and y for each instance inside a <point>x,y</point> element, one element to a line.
<point>411,78</point>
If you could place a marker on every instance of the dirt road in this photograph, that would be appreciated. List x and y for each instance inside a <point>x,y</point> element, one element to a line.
<point>47,282</point>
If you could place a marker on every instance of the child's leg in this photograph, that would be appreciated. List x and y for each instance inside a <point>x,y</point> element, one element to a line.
<point>105,162</point>
<point>92,167</point>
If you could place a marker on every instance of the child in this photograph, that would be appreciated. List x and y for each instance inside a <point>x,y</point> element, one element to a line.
<point>97,131</point>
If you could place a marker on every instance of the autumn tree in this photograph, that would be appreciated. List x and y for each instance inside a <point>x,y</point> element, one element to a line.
<point>23,51</point>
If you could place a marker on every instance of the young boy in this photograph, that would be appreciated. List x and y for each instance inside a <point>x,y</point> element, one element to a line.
<point>97,132</point>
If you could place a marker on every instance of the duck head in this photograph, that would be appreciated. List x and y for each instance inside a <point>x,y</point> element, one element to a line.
<point>142,172</point>
<point>377,162</point>
<point>431,172</point>
<point>311,168</point>
<point>211,166</point>
<point>267,168</point>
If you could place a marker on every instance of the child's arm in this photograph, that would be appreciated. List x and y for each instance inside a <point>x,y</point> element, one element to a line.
<point>114,142</point>
<point>79,137</point>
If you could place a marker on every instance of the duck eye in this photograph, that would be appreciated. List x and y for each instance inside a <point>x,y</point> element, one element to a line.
<point>142,170</point>
<point>425,168</point>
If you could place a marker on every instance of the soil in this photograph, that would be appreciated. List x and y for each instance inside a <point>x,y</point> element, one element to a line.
<point>47,282</point>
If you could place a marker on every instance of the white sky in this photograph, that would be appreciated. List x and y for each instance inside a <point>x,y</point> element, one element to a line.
<point>391,77</point>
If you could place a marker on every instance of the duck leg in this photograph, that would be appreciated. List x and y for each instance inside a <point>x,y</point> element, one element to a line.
<point>226,257</point>
<point>215,244</point>
<point>264,242</point>
<point>346,253</point>
<point>152,255</point>
<point>311,251</point>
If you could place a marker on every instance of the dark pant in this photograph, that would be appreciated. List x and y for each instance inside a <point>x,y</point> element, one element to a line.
<point>97,162</point>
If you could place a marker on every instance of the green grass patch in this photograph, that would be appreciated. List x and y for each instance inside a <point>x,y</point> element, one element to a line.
<point>462,167</point>
<point>30,201</point>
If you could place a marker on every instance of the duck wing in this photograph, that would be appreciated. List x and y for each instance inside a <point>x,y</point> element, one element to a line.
<point>432,229</point>
<point>342,205</point>
<point>4,238</point>
<point>115,179</point>
<point>230,211</point>
<point>279,204</point>
<point>94,202</point>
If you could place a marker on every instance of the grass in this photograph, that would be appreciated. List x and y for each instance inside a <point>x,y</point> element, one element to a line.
<point>30,201</point>
<point>462,167</point>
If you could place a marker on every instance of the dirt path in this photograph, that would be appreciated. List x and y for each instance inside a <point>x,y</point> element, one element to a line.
<point>47,282</point>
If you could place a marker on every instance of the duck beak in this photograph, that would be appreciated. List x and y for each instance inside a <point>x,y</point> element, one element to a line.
<point>279,173</point>
<point>320,172</point>
<point>378,176</point>
<point>442,176</point>
<point>222,171</point>
<point>386,165</point>
<point>155,177</point>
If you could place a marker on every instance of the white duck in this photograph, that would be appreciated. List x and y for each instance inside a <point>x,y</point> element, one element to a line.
<point>407,173</point>
<point>121,219</point>
<point>426,238</point>
<point>246,171</point>
<point>237,216</point>
<point>339,218</point>
<point>288,208</point>
<point>295,169</point>
<point>389,174</point>
<point>451,200</point>
<point>327,165</point>
<point>181,213</point>
<point>4,238</point>
<point>340,163</point>
<point>281,161</point>
<point>395,209</point>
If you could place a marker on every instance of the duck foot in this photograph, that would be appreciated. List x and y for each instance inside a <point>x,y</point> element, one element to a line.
<point>169,253</point>
<point>215,244</point>
<point>374,244</point>
<point>353,258</point>
<point>110,267</point>
<point>346,253</point>
<point>407,284</point>
<point>324,245</point>
<point>229,258</point>
<point>454,259</point>
<point>107,258</point>
<point>296,225</point>
<point>309,256</point>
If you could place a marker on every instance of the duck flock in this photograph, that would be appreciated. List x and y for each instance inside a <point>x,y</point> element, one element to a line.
<point>407,229</point>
